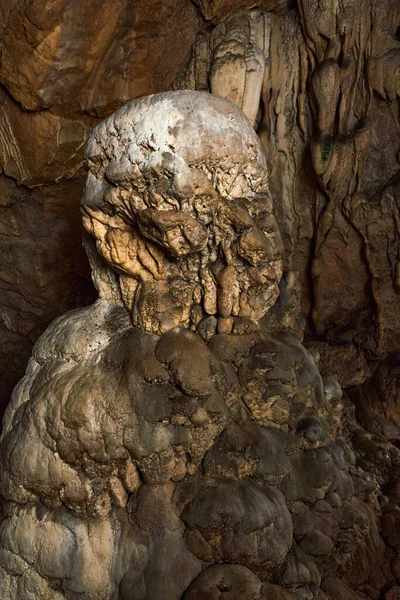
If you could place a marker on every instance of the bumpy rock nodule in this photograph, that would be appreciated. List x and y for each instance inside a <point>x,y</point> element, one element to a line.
<point>176,439</point>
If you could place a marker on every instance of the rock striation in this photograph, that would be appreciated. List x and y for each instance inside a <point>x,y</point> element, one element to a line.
<point>321,85</point>
<point>319,82</point>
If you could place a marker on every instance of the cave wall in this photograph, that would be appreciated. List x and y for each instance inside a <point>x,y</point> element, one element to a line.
<point>321,84</point>
<point>66,65</point>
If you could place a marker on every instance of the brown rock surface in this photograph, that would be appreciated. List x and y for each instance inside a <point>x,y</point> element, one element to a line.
<point>241,411</point>
<point>318,89</point>
<point>59,155</point>
<point>64,64</point>
<point>347,361</point>
<point>92,56</point>
<point>42,270</point>
<point>162,429</point>
<point>218,10</point>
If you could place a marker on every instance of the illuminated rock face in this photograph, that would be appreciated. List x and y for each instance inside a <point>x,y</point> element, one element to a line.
<point>320,83</point>
<point>178,202</point>
<point>175,439</point>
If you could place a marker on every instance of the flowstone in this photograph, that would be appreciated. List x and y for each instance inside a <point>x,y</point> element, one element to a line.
<point>175,440</point>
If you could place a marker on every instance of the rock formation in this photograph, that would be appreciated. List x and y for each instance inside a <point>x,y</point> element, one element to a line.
<point>175,440</point>
<point>64,66</point>
<point>321,86</point>
<point>224,421</point>
<point>158,173</point>
<point>321,83</point>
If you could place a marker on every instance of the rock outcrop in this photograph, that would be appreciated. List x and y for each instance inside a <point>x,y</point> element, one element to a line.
<point>224,421</point>
<point>321,85</point>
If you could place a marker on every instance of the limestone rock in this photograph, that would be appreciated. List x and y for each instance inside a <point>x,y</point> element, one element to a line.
<point>234,581</point>
<point>324,102</point>
<point>320,99</point>
<point>164,429</point>
<point>59,155</point>
<point>64,65</point>
<point>218,10</point>
<point>43,268</point>
<point>192,231</point>
<point>345,360</point>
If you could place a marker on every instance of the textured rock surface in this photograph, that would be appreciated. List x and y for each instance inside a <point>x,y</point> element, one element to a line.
<point>42,272</point>
<point>260,415</point>
<point>325,103</point>
<point>92,56</point>
<point>315,82</point>
<point>177,200</point>
<point>63,65</point>
<point>163,430</point>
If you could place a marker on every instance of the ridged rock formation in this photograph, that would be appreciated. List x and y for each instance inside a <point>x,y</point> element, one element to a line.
<point>175,440</point>
<point>321,86</point>
<point>179,170</point>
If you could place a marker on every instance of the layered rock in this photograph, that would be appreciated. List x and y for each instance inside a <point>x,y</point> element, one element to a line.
<point>324,99</point>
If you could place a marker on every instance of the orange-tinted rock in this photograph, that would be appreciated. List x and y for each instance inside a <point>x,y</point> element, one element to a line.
<point>91,56</point>
<point>39,147</point>
<point>64,64</point>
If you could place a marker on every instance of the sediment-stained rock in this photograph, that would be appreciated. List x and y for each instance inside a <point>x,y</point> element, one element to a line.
<point>43,271</point>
